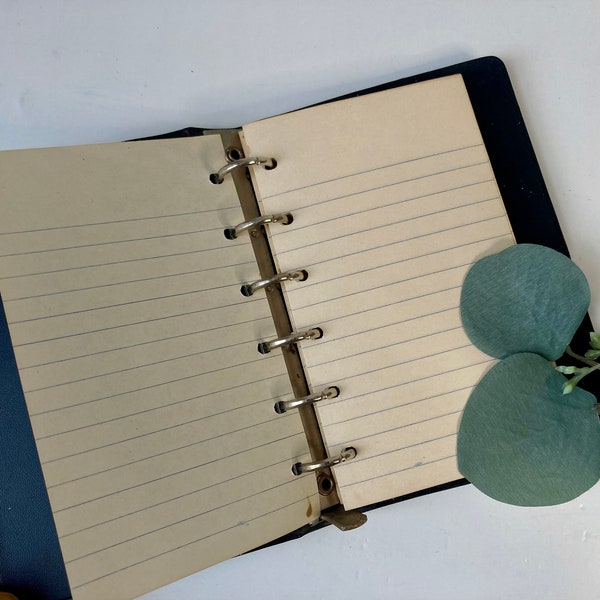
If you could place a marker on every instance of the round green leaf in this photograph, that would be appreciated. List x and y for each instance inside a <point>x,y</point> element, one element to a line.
<point>523,442</point>
<point>527,298</point>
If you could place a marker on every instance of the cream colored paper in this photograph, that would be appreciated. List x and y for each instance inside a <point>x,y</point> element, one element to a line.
<point>151,407</point>
<point>393,198</point>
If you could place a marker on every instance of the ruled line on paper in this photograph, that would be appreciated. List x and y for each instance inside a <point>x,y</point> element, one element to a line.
<point>429,194</point>
<point>397,342</point>
<point>121,448</point>
<point>112,263</point>
<point>134,323</point>
<point>116,492</point>
<point>334,442</point>
<point>393,243</point>
<point>372,170</point>
<point>371,457</point>
<point>423,464</point>
<point>148,342</point>
<point>387,305</point>
<point>73,495</point>
<point>189,518</point>
<point>266,514</point>
<point>112,242</point>
<point>392,263</point>
<point>44,319</point>
<point>291,291</point>
<point>152,456</point>
<point>136,367</point>
<point>343,421</point>
<point>145,388</point>
<point>348,398</point>
<point>384,301</point>
<point>156,298</point>
<point>185,214</point>
<point>391,345</point>
<point>413,384</point>
<point>145,365</point>
<point>349,214</point>
<point>187,471</point>
<point>195,491</point>
<point>162,406</point>
<point>129,281</point>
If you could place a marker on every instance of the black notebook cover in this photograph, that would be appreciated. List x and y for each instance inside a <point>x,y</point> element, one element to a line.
<point>31,564</point>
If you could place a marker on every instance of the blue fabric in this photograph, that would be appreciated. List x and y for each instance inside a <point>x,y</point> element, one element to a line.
<point>31,564</point>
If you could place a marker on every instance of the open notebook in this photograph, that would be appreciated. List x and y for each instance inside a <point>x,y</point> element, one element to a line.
<point>153,412</point>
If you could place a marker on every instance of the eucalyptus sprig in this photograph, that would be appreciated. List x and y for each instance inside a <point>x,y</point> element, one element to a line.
<point>528,435</point>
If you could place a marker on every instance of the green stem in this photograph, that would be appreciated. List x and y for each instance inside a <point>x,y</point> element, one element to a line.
<point>583,359</point>
<point>571,383</point>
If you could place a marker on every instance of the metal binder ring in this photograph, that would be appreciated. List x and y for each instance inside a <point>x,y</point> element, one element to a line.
<point>296,336</point>
<point>346,454</point>
<point>218,177</point>
<point>231,233</point>
<point>249,288</point>
<point>285,405</point>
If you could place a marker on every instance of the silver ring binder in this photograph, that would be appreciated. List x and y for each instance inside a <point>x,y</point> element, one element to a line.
<point>296,336</point>
<point>249,288</point>
<point>285,405</point>
<point>231,233</point>
<point>346,454</point>
<point>218,177</point>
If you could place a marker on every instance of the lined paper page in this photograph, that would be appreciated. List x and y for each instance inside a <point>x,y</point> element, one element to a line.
<point>393,197</point>
<point>151,407</point>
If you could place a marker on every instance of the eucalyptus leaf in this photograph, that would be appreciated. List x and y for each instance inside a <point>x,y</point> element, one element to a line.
<point>521,441</point>
<point>527,298</point>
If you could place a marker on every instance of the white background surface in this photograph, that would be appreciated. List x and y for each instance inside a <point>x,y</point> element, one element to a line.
<point>77,72</point>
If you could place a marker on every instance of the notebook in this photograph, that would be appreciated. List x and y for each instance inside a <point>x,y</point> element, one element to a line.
<point>210,363</point>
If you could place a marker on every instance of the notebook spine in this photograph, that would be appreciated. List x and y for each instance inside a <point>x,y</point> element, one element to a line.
<point>294,337</point>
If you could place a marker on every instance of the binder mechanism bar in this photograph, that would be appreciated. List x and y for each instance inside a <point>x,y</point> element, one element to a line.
<point>231,233</point>
<point>346,454</point>
<point>249,288</point>
<point>219,176</point>
<point>296,336</point>
<point>285,405</point>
